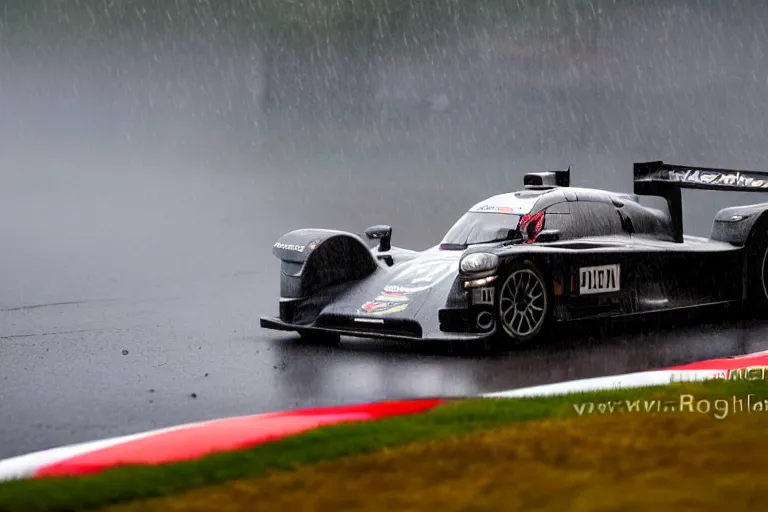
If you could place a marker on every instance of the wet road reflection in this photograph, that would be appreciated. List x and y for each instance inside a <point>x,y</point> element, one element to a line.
<point>372,369</point>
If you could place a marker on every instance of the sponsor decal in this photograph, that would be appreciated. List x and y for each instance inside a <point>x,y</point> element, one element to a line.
<point>369,320</point>
<point>289,247</point>
<point>495,209</point>
<point>393,290</point>
<point>483,295</point>
<point>312,245</point>
<point>748,373</point>
<point>420,276</point>
<point>385,305</point>
<point>727,179</point>
<point>600,279</point>
<point>719,409</point>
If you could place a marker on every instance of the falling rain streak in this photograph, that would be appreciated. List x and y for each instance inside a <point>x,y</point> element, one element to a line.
<point>152,152</point>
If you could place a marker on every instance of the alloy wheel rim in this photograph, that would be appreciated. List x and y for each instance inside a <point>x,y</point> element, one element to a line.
<point>764,274</point>
<point>523,303</point>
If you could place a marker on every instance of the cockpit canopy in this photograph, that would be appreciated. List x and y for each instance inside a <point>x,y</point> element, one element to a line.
<point>481,228</point>
<point>565,212</point>
<point>496,219</point>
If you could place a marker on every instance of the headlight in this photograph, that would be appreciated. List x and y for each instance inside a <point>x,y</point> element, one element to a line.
<point>479,262</point>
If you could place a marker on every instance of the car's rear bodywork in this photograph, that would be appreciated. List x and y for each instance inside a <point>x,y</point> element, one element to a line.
<point>603,255</point>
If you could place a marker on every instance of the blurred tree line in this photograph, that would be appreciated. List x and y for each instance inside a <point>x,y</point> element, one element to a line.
<point>326,46</point>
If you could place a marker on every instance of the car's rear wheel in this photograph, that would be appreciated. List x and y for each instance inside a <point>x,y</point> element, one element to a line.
<point>524,304</point>
<point>320,338</point>
<point>757,270</point>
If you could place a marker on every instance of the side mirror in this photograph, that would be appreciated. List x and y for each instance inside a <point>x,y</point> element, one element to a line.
<point>383,233</point>
<point>548,235</point>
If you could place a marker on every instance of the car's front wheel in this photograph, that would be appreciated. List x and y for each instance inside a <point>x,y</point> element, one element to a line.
<point>757,270</point>
<point>524,304</point>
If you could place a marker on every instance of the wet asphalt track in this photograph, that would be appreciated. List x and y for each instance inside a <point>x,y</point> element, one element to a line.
<point>132,286</point>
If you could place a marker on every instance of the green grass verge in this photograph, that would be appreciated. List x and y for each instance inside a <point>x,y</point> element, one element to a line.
<point>327,443</point>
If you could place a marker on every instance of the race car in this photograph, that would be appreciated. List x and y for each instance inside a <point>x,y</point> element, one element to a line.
<point>517,263</point>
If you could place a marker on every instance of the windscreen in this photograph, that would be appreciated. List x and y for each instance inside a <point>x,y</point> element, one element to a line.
<point>480,228</point>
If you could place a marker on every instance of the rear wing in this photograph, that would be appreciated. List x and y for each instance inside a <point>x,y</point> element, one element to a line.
<point>699,177</point>
<point>667,180</point>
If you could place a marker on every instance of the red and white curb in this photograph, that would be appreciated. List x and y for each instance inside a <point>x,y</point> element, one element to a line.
<point>25,466</point>
<point>194,440</point>
<point>190,441</point>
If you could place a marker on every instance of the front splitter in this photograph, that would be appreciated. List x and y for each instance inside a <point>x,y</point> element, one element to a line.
<point>279,325</point>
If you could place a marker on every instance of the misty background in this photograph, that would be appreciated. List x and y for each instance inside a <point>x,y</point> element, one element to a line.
<point>146,144</point>
<point>151,152</point>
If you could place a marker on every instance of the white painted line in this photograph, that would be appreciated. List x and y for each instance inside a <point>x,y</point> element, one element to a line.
<point>754,354</point>
<point>627,381</point>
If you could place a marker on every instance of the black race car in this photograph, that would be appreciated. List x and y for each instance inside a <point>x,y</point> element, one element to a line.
<point>516,263</point>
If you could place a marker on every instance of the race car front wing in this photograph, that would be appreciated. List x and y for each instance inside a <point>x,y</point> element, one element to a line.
<point>364,327</point>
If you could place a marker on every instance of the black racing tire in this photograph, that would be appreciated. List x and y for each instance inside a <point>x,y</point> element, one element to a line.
<point>523,285</point>
<point>756,255</point>
<point>328,339</point>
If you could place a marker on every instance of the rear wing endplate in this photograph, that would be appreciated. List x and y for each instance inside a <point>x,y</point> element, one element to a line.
<point>667,180</point>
